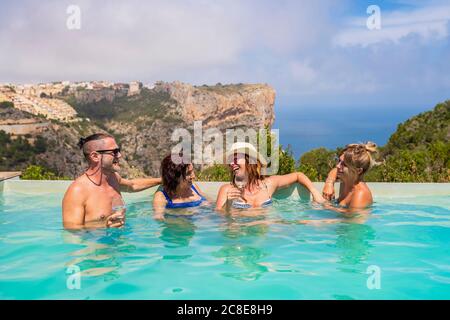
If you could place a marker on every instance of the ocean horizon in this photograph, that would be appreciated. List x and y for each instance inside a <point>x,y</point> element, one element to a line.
<point>305,128</point>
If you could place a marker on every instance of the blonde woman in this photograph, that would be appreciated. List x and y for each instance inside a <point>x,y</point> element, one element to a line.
<point>354,162</point>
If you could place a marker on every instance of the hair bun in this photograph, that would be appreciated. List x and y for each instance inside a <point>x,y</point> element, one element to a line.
<point>360,148</point>
<point>371,147</point>
<point>81,142</point>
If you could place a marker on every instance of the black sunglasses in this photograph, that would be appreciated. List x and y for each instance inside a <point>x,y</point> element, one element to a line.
<point>115,151</point>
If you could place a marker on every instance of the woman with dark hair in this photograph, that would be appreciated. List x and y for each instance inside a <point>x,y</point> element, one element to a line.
<point>248,187</point>
<point>178,189</point>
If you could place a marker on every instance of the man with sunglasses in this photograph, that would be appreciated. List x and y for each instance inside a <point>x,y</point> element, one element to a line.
<point>94,199</point>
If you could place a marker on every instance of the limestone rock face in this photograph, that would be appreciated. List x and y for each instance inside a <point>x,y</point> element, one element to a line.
<point>224,106</point>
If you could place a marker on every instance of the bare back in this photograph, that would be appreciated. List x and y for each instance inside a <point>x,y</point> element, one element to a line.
<point>359,197</point>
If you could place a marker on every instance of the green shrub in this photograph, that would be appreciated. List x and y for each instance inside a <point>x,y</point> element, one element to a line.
<point>6,105</point>
<point>35,172</point>
<point>217,172</point>
<point>286,162</point>
<point>317,163</point>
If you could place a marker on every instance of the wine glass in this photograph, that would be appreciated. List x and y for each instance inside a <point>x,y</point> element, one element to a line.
<point>241,186</point>
<point>118,206</point>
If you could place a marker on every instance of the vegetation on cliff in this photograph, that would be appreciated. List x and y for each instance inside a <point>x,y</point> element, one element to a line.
<point>19,152</point>
<point>6,105</point>
<point>419,151</point>
<point>149,103</point>
<point>53,148</point>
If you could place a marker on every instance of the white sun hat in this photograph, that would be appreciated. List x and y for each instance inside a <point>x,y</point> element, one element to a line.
<point>248,149</point>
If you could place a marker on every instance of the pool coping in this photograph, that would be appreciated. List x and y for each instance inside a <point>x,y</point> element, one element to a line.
<point>6,175</point>
<point>379,189</point>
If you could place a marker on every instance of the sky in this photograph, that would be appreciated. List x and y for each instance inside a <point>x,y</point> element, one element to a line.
<point>319,56</point>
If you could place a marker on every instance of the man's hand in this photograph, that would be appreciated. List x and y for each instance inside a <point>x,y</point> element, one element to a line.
<point>116,220</point>
<point>328,191</point>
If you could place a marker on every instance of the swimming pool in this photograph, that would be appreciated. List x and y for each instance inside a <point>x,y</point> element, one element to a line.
<point>404,245</point>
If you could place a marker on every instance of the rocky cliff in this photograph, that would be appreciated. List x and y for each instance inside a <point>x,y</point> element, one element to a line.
<point>143,123</point>
<point>249,105</point>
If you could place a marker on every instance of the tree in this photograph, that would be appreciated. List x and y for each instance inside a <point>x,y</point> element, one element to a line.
<point>286,161</point>
<point>40,145</point>
<point>317,163</point>
<point>6,105</point>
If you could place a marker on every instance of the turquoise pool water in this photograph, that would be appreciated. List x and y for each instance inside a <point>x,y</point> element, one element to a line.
<point>214,257</point>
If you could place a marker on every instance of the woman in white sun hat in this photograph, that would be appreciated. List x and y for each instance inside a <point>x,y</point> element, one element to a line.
<point>248,187</point>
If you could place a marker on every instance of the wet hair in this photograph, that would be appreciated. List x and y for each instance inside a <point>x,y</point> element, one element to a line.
<point>93,137</point>
<point>172,174</point>
<point>359,156</point>
<point>253,171</point>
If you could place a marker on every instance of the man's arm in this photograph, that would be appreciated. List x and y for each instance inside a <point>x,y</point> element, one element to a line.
<point>73,208</point>
<point>136,185</point>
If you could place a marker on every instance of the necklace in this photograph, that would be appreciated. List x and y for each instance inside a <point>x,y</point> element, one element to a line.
<point>97,184</point>
<point>101,174</point>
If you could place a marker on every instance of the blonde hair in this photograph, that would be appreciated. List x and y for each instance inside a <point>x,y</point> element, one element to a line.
<point>359,156</point>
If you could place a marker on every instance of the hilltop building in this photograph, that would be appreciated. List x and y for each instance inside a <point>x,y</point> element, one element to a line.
<point>135,88</point>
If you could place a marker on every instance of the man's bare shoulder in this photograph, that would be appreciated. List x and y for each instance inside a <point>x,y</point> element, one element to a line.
<point>79,187</point>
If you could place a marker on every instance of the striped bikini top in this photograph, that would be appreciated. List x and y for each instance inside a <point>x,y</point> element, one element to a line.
<point>244,205</point>
<point>173,205</point>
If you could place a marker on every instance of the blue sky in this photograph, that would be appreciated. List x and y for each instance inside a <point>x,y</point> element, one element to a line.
<point>318,55</point>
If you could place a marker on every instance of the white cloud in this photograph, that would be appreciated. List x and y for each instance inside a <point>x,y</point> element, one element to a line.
<point>429,23</point>
<point>187,40</point>
<point>117,40</point>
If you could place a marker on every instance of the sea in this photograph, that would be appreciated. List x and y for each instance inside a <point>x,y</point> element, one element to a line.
<point>307,128</point>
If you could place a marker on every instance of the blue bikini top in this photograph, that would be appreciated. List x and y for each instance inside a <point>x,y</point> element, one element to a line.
<point>172,205</point>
